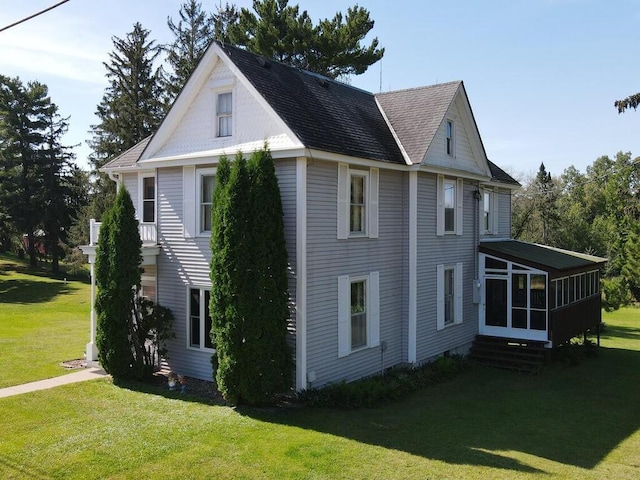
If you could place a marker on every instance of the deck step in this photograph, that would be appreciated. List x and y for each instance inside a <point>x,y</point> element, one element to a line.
<point>508,353</point>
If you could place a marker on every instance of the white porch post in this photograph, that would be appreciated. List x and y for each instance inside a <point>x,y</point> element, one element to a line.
<point>91,349</point>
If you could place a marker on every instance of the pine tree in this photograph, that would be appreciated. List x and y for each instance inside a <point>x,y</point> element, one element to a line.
<point>131,108</point>
<point>23,122</point>
<point>192,36</point>
<point>118,278</point>
<point>64,184</point>
<point>279,31</point>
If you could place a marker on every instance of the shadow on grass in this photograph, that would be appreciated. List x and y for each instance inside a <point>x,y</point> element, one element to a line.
<point>32,291</point>
<point>620,331</point>
<point>571,415</point>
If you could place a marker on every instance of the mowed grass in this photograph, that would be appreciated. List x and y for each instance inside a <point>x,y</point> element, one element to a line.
<point>579,422</point>
<point>43,321</point>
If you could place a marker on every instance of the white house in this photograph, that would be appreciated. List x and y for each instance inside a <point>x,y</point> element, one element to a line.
<point>397,225</point>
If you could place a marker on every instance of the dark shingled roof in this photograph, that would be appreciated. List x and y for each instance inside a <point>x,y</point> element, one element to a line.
<point>129,157</point>
<point>417,113</point>
<point>543,257</point>
<point>324,114</point>
<point>500,175</point>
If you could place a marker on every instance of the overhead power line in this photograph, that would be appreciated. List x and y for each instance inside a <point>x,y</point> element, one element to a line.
<point>33,16</point>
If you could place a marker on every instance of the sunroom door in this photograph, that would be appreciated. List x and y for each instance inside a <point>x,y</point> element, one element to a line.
<point>515,307</point>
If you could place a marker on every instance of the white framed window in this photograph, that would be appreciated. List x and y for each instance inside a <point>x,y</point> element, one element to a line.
<point>449,295</point>
<point>358,313</point>
<point>224,114</point>
<point>358,186</point>
<point>357,202</point>
<point>488,212</point>
<point>198,319</point>
<point>449,205</point>
<point>449,138</point>
<point>205,181</point>
<point>147,197</point>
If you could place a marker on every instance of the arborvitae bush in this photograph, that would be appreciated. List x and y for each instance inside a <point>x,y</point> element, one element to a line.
<point>249,283</point>
<point>117,278</point>
<point>131,332</point>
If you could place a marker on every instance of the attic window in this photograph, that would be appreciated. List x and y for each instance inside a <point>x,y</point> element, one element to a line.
<point>224,116</point>
<point>449,141</point>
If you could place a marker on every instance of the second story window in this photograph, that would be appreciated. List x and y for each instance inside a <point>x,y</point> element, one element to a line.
<point>224,110</point>
<point>486,211</point>
<point>449,217</point>
<point>357,209</point>
<point>148,199</point>
<point>449,206</point>
<point>207,184</point>
<point>449,141</point>
<point>357,202</point>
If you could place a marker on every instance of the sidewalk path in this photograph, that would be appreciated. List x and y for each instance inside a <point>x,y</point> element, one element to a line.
<point>81,376</point>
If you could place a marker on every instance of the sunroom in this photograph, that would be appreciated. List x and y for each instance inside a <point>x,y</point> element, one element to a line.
<point>538,293</point>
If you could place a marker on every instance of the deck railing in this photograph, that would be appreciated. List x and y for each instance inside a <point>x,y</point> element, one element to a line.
<point>148,232</point>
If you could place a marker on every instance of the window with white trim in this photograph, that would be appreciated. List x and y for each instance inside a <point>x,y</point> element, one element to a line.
<point>224,114</point>
<point>148,185</point>
<point>206,182</point>
<point>449,204</point>
<point>199,319</point>
<point>449,295</point>
<point>449,137</point>
<point>358,313</point>
<point>357,202</point>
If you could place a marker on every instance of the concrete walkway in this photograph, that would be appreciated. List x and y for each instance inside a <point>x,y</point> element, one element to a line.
<point>80,376</point>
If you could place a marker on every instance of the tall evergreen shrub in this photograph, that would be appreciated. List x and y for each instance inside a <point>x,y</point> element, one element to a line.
<point>249,284</point>
<point>118,274</point>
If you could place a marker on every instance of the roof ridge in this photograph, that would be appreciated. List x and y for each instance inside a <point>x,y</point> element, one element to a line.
<point>424,87</point>
<point>225,47</point>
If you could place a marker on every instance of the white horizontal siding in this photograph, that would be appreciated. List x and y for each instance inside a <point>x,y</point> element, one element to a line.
<point>328,258</point>
<point>504,213</point>
<point>448,250</point>
<point>130,181</point>
<point>252,124</point>
<point>463,158</point>
<point>185,262</point>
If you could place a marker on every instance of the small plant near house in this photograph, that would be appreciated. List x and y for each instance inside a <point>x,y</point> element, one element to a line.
<point>393,385</point>
<point>574,351</point>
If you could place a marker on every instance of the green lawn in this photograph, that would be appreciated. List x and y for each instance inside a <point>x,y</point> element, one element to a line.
<point>579,422</point>
<point>43,321</point>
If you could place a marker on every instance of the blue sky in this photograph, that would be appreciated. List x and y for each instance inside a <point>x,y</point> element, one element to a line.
<point>541,75</point>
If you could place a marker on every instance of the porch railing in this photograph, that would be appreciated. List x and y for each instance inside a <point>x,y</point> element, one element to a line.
<point>148,232</point>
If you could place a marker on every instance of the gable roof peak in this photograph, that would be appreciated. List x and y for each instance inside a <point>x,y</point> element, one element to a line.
<point>422,87</point>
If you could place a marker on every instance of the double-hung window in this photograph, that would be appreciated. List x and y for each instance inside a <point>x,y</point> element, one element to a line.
<point>357,202</point>
<point>449,135</point>
<point>449,204</point>
<point>224,114</point>
<point>199,322</point>
<point>358,313</point>
<point>449,295</point>
<point>487,214</point>
<point>207,184</point>
<point>357,206</point>
<point>148,199</point>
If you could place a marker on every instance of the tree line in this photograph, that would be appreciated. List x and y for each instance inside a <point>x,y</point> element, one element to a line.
<point>45,196</point>
<point>595,212</point>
